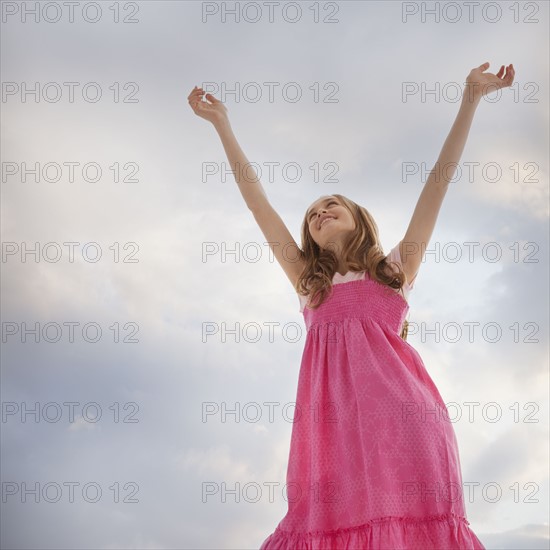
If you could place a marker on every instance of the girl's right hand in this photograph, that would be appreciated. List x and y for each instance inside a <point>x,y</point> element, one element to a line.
<point>215,111</point>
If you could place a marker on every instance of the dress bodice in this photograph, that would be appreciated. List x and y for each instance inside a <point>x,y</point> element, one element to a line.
<point>362,298</point>
<point>356,295</point>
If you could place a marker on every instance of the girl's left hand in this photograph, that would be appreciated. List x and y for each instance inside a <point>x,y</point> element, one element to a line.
<point>480,83</point>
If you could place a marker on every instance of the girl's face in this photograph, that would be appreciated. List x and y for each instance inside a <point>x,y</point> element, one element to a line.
<point>328,220</point>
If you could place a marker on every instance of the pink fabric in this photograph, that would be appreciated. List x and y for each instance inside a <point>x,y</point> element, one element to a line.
<point>393,256</point>
<point>374,462</point>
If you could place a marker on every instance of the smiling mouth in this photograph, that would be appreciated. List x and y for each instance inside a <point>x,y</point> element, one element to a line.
<point>325,221</point>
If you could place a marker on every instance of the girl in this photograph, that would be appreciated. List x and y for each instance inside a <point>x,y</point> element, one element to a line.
<point>374,461</point>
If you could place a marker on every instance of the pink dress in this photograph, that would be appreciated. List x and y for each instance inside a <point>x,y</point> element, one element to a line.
<point>374,461</point>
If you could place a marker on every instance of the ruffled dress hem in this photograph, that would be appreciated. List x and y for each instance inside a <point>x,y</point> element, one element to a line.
<point>442,532</point>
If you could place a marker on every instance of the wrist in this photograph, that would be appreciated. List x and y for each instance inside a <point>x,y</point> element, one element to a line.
<point>472,94</point>
<point>222,124</point>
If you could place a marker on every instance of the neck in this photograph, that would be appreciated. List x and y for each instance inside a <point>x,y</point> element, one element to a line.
<point>342,269</point>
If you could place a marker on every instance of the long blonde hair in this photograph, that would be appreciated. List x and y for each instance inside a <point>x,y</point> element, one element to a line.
<point>361,252</point>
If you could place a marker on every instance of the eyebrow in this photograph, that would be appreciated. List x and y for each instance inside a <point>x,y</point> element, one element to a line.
<point>322,202</point>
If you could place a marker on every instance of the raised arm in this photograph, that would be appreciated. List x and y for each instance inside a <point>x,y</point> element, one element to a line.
<point>421,226</point>
<point>278,236</point>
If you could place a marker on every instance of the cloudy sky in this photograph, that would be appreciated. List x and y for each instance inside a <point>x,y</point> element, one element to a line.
<point>138,292</point>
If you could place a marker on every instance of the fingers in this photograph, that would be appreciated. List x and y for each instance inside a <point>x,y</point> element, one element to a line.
<point>504,80</point>
<point>510,73</point>
<point>195,92</point>
<point>509,76</point>
<point>195,97</point>
<point>206,106</point>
